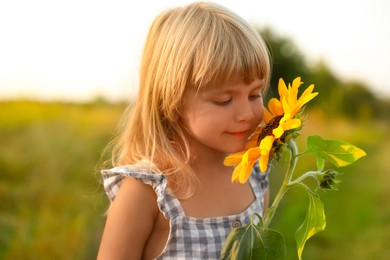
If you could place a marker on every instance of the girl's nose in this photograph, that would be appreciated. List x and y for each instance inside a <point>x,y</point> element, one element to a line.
<point>244,112</point>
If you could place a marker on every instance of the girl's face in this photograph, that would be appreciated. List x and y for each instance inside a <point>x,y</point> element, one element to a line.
<point>222,118</point>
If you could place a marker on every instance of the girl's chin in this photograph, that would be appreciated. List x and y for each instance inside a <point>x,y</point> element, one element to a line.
<point>237,149</point>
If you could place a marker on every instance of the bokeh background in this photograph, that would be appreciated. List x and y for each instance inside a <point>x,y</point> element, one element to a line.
<point>55,121</point>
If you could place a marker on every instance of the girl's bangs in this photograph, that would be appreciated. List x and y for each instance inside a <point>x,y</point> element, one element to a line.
<point>235,56</point>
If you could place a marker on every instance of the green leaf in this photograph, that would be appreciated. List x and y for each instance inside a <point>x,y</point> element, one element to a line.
<point>337,152</point>
<point>314,222</point>
<point>320,164</point>
<point>254,242</point>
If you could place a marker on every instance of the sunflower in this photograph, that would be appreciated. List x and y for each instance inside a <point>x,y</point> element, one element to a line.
<point>281,120</point>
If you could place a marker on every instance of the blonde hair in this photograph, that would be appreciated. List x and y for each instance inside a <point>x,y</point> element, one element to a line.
<point>189,48</point>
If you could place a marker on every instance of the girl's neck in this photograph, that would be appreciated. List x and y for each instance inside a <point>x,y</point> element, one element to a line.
<point>205,160</point>
<point>209,164</point>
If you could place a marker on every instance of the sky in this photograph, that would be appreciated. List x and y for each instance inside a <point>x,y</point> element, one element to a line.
<point>77,50</point>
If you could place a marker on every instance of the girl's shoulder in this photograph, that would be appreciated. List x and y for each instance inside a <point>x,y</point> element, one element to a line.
<point>134,203</point>
<point>113,178</point>
<point>167,203</point>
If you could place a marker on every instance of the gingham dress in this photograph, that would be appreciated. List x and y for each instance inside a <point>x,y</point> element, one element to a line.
<point>189,237</point>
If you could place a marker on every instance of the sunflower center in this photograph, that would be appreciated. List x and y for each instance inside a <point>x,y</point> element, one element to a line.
<point>267,130</point>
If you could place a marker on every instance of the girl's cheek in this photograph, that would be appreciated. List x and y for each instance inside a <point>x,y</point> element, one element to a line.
<point>260,115</point>
<point>259,110</point>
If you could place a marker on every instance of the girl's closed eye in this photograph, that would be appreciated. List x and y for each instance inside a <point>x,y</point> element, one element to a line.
<point>223,102</point>
<point>255,96</point>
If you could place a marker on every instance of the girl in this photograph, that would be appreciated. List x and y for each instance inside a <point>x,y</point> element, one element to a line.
<point>202,76</point>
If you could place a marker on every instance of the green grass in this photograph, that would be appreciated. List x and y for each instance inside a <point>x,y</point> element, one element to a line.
<point>52,201</point>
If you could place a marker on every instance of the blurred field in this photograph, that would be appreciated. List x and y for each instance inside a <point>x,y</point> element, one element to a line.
<point>52,202</point>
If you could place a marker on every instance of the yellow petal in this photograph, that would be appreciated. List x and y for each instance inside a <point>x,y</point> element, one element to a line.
<point>293,94</point>
<point>291,124</point>
<point>293,91</point>
<point>265,148</point>
<point>308,91</point>
<point>286,107</point>
<point>233,159</point>
<point>267,116</point>
<point>278,132</point>
<point>263,162</point>
<point>297,82</point>
<point>282,88</point>
<point>253,154</point>
<point>244,168</point>
<point>267,142</point>
<point>304,99</point>
<point>275,107</point>
<point>246,173</point>
<point>236,173</point>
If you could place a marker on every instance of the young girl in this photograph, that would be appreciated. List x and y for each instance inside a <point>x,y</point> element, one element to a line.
<point>202,76</point>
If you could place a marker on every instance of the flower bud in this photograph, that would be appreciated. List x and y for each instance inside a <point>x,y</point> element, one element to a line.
<point>328,180</point>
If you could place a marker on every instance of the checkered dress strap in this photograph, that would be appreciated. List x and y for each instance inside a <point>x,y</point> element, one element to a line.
<point>259,180</point>
<point>168,204</point>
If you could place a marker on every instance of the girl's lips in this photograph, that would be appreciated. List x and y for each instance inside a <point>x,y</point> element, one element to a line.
<point>238,134</point>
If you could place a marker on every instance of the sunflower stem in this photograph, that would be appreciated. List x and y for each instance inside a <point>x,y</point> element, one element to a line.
<point>304,176</point>
<point>300,154</point>
<point>292,146</point>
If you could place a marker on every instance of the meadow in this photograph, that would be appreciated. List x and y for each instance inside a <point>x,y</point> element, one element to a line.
<point>52,202</point>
